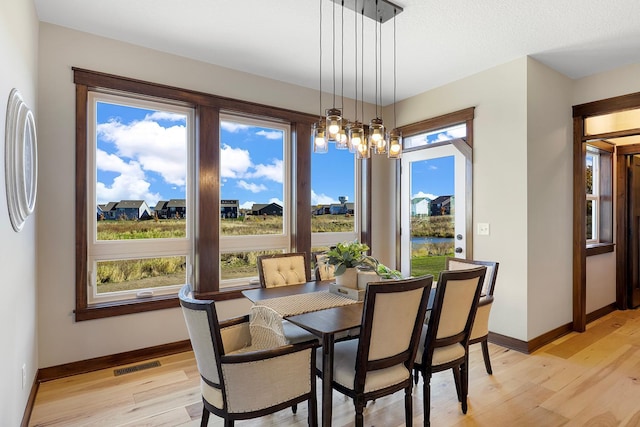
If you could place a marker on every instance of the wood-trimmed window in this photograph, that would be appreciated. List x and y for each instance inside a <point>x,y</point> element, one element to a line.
<point>599,197</point>
<point>207,110</point>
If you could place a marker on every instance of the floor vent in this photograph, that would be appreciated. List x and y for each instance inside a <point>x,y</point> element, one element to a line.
<point>136,368</point>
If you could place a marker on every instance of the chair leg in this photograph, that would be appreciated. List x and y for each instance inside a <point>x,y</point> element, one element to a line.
<point>294,408</point>
<point>408,407</point>
<point>228,423</point>
<point>205,417</point>
<point>312,408</point>
<point>465,383</point>
<point>456,379</point>
<point>359,404</point>
<point>485,355</point>
<point>416,375</point>
<point>426,398</point>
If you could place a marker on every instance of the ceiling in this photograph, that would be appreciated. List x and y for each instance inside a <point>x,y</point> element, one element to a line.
<point>438,41</point>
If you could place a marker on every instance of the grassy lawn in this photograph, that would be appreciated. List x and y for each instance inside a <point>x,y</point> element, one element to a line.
<point>427,265</point>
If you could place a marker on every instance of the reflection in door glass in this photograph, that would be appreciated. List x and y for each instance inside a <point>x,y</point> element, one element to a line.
<point>432,215</point>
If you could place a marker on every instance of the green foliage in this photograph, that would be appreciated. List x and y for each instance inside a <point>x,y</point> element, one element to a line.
<point>348,255</point>
<point>421,265</point>
<point>432,226</point>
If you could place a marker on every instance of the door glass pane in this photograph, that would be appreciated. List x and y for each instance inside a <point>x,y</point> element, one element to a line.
<point>440,135</point>
<point>432,214</point>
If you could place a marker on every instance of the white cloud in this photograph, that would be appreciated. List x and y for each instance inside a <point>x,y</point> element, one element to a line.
<point>321,199</point>
<point>423,194</point>
<point>233,127</point>
<point>155,148</point>
<point>274,134</point>
<point>234,162</point>
<point>254,188</point>
<point>247,205</point>
<point>276,200</point>
<point>129,185</point>
<point>166,115</point>
<point>273,171</point>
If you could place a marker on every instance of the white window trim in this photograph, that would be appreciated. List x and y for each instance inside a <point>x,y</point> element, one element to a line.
<point>144,248</point>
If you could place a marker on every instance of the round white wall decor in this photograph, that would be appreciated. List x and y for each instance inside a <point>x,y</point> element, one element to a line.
<point>20,161</point>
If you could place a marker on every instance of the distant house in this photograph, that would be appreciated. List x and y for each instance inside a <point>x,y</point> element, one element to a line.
<point>132,209</point>
<point>341,208</point>
<point>229,208</point>
<point>177,208</point>
<point>108,210</point>
<point>161,209</point>
<point>441,205</point>
<point>321,210</point>
<point>420,206</point>
<point>266,209</point>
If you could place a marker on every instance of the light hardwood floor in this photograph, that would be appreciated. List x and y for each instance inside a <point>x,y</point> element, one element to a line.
<point>589,379</point>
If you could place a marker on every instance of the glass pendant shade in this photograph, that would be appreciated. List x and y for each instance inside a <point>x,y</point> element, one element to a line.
<point>334,123</point>
<point>356,136</point>
<point>318,135</point>
<point>395,144</point>
<point>342,140</point>
<point>376,136</point>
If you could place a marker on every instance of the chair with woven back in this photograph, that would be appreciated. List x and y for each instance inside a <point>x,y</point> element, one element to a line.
<point>238,380</point>
<point>480,330</point>
<point>380,362</point>
<point>444,343</point>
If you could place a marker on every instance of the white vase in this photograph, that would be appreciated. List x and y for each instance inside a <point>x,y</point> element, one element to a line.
<point>348,279</point>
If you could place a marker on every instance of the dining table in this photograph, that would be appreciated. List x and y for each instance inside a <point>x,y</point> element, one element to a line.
<point>325,323</point>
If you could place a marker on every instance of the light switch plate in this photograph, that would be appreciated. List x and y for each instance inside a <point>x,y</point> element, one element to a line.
<point>483,229</point>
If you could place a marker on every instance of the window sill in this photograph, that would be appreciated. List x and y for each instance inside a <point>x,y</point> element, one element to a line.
<point>119,308</point>
<point>600,248</point>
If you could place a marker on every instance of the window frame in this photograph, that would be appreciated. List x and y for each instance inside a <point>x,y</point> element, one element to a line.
<point>207,191</point>
<point>603,187</point>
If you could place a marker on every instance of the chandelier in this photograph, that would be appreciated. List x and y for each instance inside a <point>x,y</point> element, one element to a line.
<point>333,127</point>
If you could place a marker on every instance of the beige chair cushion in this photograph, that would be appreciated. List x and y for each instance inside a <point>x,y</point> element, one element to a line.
<point>344,364</point>
<point>441,355</point>
<point>324,271</point>
<point>283,271</point>
<point>481,322</point>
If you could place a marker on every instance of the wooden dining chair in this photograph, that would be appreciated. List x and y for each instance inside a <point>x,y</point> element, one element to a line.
<point>480,330</point>
<point>444,342</point>
<point>283,269</point>
<point>380,362</point>
<point>238,380</point>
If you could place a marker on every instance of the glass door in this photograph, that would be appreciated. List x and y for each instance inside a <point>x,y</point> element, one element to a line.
<point>435,206</point>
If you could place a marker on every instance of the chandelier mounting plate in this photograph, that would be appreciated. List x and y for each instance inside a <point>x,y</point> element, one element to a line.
<point>378,10</point>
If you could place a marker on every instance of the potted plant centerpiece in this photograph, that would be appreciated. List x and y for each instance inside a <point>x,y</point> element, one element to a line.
<point>346,257</point>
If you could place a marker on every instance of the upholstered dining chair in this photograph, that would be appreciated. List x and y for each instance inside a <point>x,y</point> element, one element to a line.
<point>283,269</point>
<point>323,270</point>
<point>239,381</point>
<point>444,342</point>
<point>380,362</point>
<point>480,330</point>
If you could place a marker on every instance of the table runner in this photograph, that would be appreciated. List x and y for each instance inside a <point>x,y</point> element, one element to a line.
<point>304,303</point>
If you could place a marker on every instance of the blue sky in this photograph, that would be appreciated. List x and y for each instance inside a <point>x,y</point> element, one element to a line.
<point>432,178</point>
<point>141,154</point>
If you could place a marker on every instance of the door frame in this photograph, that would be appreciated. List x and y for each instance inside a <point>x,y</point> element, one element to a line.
<point>580,113</point>
<point>447,120</point>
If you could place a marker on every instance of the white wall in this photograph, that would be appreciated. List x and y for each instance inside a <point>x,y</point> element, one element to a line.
<point>550,200</point>
<point>18,314</point>
<point>499,177</point>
